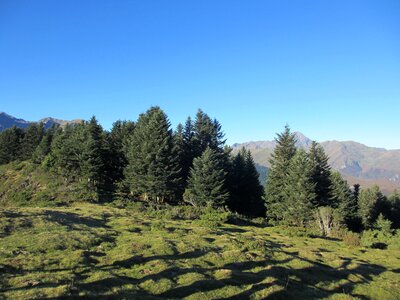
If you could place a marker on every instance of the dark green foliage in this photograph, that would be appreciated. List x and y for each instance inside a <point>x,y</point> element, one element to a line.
<point>299,191</point>
<point>10,144</point>
<point>206,133</point>
<point>321,172</point>
<point>79,153</point>
<point>152,172</point>
<point>32,138</point>
<point>370,203</point>
<point>44,147</point>
<point>117,141</point>
<point>344,200</point>
<point>278,174</point>
<point>394,205</point>
<point>206,183</point>
<point>245,189</point>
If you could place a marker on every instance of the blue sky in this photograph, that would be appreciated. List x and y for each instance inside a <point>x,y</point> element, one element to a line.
<point>330,69</point>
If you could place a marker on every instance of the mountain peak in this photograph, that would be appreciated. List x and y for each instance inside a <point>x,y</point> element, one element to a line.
<point>7,121</point>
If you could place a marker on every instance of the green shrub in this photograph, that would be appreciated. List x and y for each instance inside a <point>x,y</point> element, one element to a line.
<point>213,218</point>
<point>157,226</point>
<point>351,239</point>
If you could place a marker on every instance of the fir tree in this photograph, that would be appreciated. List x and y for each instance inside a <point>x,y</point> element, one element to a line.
<point>321,172</point>
<point>344,201</point>
<point>116,144</point>
<point>206,183</point>
<point>369,203</point>
<point>92,158</point>
<point>152,172</point>
<point>278,174</point>
<point>44,147</point>
<point>32,138</point>
<point>394,202</point>
<point>207,133</point>
<point>10,144</point>
<point>299,191</point>
<point>245,190</point>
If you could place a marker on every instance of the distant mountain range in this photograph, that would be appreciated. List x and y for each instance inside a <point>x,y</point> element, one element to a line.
<point>7,121</point>
<point>356,162</point>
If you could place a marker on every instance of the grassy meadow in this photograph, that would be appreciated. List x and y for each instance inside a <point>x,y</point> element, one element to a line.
<point>91,250</point>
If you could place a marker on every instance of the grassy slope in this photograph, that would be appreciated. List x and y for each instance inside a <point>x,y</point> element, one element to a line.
<point>94,250</point>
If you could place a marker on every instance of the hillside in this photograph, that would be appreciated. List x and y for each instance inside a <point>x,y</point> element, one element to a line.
<point>7,121</point>
<point>355,161</point>
<point>89,250</point>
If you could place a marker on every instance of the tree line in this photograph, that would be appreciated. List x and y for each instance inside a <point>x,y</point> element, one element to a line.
<point>148,161</point>
<point>144,160</point>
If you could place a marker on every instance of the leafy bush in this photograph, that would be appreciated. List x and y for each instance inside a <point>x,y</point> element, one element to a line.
<point>351,239</point>
<point>213,218</point>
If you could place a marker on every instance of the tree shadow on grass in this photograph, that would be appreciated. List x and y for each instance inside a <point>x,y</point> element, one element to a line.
<point>73,220</point>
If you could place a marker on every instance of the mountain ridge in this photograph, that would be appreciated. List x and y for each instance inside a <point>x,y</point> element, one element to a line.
<point>8,121</point>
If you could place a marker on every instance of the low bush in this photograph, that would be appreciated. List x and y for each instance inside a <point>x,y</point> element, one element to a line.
<point>351,239</point>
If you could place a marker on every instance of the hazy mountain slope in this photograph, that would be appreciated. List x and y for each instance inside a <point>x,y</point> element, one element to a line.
<point>357,162</point>
<point>7,121</point>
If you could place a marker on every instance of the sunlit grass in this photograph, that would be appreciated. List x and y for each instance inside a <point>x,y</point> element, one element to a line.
<point>95,250</point>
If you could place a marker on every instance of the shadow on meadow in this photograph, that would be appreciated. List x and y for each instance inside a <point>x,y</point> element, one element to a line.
<point>275,274</point>
<point>240,274</point>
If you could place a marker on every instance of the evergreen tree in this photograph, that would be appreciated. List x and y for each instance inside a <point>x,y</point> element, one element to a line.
<point>394,215</point>
<point>117,141</point>
<point>321,172</point>
<point>180,152</point>
<point>207,133</point>
<point>369,203</point>
<point>344,201</point>
<point>65,152</point>
<point>278,174</point>
<point>299,191</point>
<point>44,147</point>
<point>32,138</point>
<point>206,183</point>
<point>152,172</point>
<point>245,190</point>
<point>10,144</point>
<point>356,191</point>
<point>92,159</point>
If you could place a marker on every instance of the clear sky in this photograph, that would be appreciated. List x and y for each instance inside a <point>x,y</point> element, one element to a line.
<point>330,69</point>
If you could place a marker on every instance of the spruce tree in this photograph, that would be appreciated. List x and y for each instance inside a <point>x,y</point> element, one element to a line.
<point>152,172</point>
<point>207,133</point>
<point>278,174</point>
<point>116,147</point>
<point>370,203</point>
<point>92,160</point>
<point>206,183</point>
<point>44,147</point>
<point>245,190</point>
<point>394,202</point>
<point>344,201</point>
<point>32,138</point>
<point>299,191</point>
<point>10,144</point>
<point>321,172</point>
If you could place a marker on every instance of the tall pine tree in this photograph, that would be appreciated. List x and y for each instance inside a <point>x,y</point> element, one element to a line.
<point>206,183</point>
<point>321,172</point>
<point>152,172</point>
<point>344,201</point>
<point>370,202</point>
<point>246,193</point>
<point>278,174</point>
<point>299,191</point>
<point>10,144</point>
